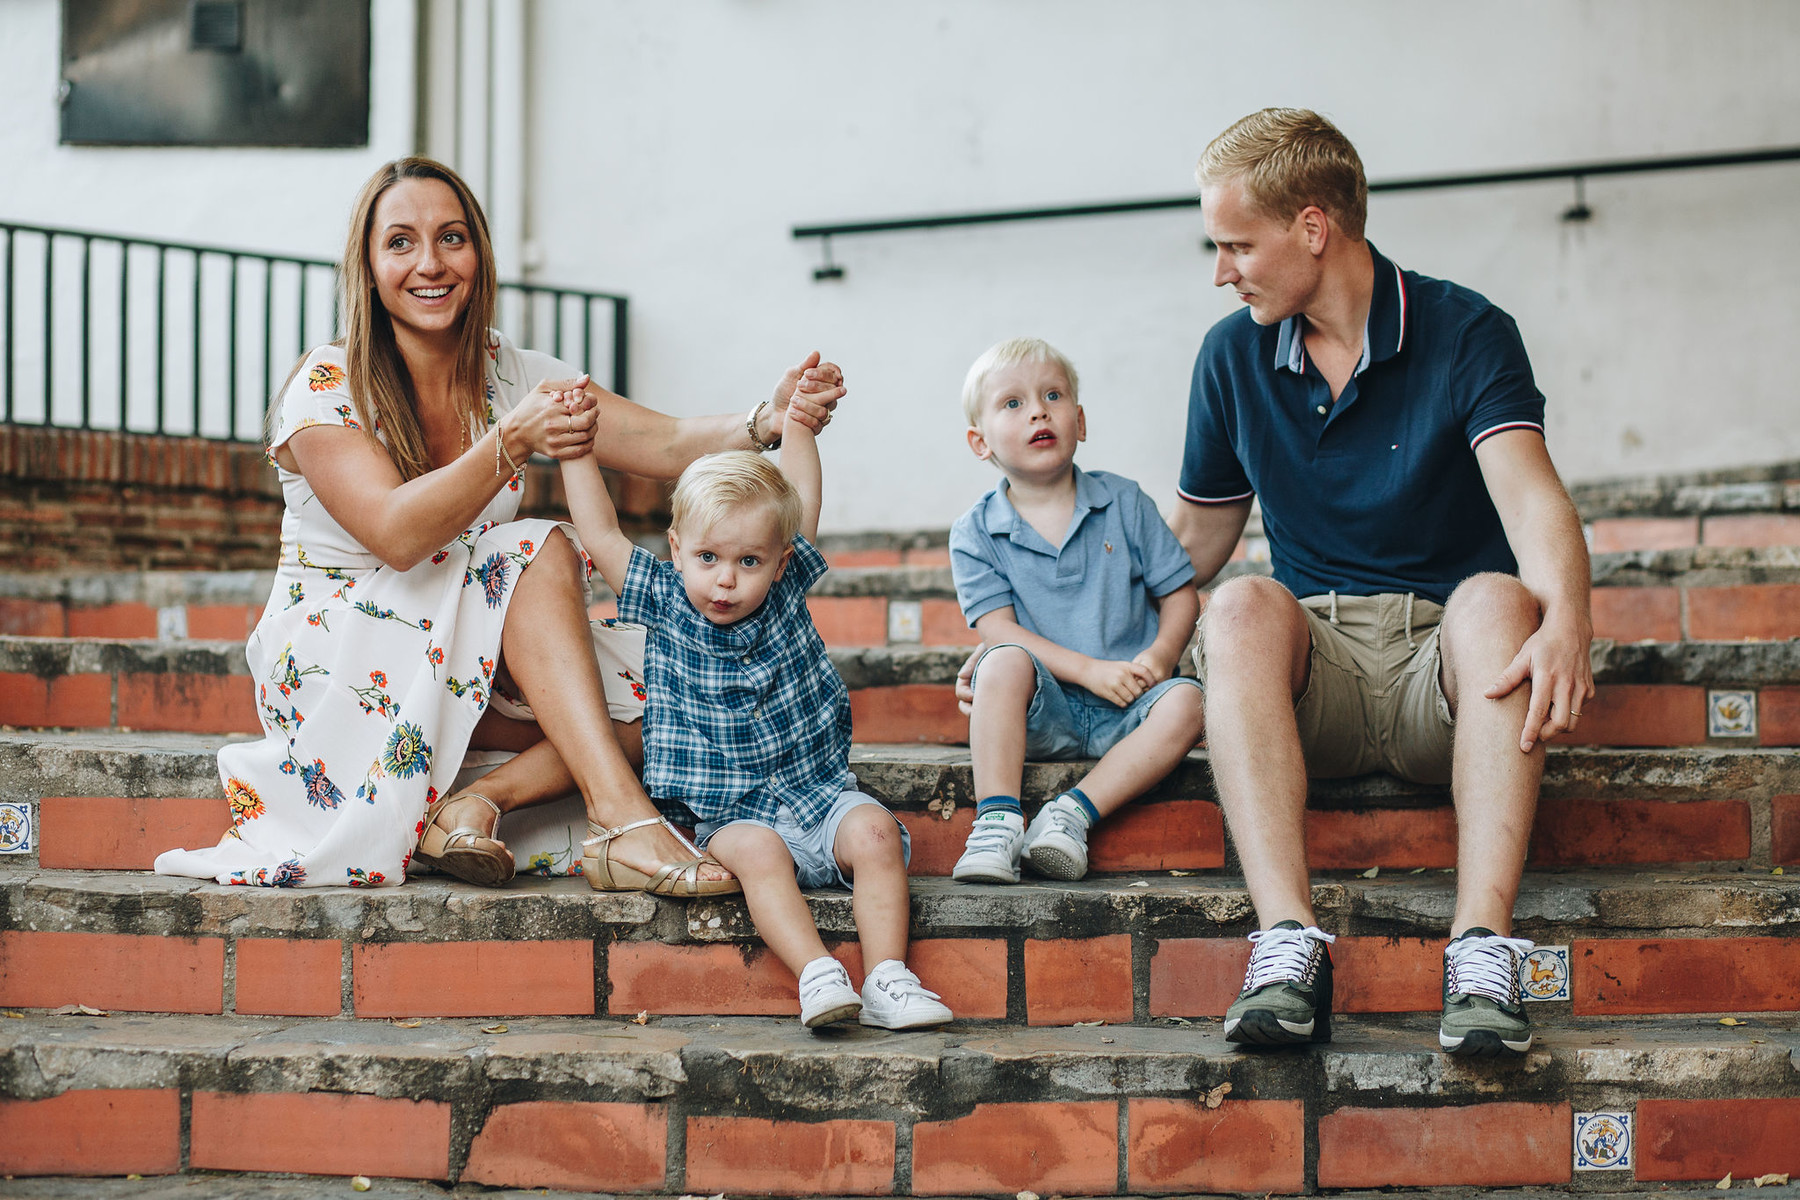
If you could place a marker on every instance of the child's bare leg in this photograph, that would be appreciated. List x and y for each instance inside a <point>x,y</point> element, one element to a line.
<point>1003,689</point>
<point>1148,753</point>
<point>868,850</point>
<point>761,860</point>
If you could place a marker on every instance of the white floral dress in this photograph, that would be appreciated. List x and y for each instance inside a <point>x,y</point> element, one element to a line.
<point>369,680</point>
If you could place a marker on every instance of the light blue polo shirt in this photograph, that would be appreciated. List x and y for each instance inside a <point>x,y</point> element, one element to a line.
<point>1092,593</point>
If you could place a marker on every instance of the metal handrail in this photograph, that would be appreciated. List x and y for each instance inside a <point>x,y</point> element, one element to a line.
<point>1572,171</point>
<point>536,306</point>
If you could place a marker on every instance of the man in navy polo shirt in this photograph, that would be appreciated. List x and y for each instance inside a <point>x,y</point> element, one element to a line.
<point>1428,614</point>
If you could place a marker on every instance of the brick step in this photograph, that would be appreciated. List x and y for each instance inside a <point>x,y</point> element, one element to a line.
<point>1732,491</point>
<point>110,799</point>
<point>1657,694</point>
<point>706,1105</point>
<point>1125,950</point>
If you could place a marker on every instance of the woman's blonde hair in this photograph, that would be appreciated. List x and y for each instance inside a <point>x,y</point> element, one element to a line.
<point>1011,353</point>
<point>1287,159</point>
<point>380,385</point>
<point>716,484</point>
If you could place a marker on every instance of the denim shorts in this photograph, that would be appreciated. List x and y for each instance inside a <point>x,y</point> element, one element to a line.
<point>815,859</point>
<point>1065,721</point>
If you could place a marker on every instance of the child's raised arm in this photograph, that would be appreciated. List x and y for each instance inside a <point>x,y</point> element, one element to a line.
<point>800,463</point>
<point>591,512</point>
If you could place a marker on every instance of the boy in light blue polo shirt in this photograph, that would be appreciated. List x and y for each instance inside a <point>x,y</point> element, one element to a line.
<point>1084,601</point>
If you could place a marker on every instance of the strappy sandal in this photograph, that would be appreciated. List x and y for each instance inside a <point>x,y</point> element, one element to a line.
<point>671,879</point>
<point>465,852</point>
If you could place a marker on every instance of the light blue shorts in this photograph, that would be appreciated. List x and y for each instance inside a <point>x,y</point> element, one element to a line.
<point>1065,721</point>
<point>815,860</point>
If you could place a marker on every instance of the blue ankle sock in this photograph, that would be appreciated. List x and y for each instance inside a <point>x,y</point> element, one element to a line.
<point>998,804</point>
<point>1087,806</point>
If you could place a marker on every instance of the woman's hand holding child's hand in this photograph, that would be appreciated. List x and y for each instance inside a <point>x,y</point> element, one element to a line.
<point>557,419</point>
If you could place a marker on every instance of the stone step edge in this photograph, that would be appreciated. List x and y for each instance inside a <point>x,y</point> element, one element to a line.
<point>702,1098</point>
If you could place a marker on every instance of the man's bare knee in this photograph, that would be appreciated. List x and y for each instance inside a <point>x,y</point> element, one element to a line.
<point>1254,624</point>
<point>1492,605</point>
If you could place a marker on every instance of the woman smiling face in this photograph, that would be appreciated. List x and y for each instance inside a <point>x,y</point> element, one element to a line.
<point>424,260</point>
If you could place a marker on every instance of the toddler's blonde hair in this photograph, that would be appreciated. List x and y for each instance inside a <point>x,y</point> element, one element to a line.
<point>717,484</point>
<point>1011,353</point>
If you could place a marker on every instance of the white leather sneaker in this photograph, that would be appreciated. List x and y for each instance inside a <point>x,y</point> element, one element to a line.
<point>1056,842</point>
<point>992,853</point>
<point>893,998</point>
<point>826,996</point>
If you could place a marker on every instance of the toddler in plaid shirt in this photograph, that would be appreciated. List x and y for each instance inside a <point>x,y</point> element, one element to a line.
<point>747,724</point>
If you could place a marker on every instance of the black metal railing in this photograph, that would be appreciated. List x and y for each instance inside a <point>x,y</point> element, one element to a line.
<point>1575,172</point>
<point>110,332</point>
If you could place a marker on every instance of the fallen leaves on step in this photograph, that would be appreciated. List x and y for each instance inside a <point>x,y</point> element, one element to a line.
<point>1026,1196</point>
<point>1779,1180</point>
<point>1139,883</point>
<point>71,1010</point>
<point>1216,1096</point>
<point>1776,871</point>
<point>493,1029</point>
<point>1416,871</point>
<point>1107,1041</point>
<point>643,1018</point>
<point>1181,874</point>
<point>16,1016</point>
<point>360,1183</point>
<point>1724,1184</point>
<point>943,806</point>
<point>1371,873</point>
<point>1088,1024</point>
<point>1729,1021</point>
<point>409,1023</point>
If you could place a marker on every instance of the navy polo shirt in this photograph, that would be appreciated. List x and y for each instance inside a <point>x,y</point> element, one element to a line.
<point>1381,491</point>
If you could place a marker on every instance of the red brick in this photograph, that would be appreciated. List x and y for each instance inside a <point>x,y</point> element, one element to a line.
<point>117,833</point>
<point>1636,614</point>
<point>581,1146</point>
<point>1642,714</point>
<point>1171,834</point>
<point>1786,839</point>
<point>884,556</point>
<point>1708,1139</point>
<point>290,977</point>
<point>969,973</point>
<point>1356,839</point>
<point>113,621</point>
<point>943,625</point>
<point>1070,1147</point>
<point>1778,716</point>
<point>224,622</point>
<point>1378,974</point>
<point>1762,611</point>
<point>99,1131</point>
<point>69,701</point>
<point>1612,534</point>
<point>1240,1146</point>
<point>1752,529</point>
<point>790,1158</point>
<point>474,979</point>
<point>188,703</point>
<point>937,843</point>
<point>926,556</point>
<point>137,972</point>
<point>728,980</point>
<point>1587,832</point>
<point>1685,975</point>
<point>1197,977</point>
<point>32,618</point>
<point>850,620</point>
<point>909,712</point>
<point>1481,1145</point>
<point>320,1133</point>
<point>1078,979</point>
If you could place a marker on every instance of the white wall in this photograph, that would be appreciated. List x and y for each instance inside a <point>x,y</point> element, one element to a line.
<point>673,145</point>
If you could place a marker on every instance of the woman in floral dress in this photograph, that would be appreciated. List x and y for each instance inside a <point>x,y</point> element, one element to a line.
<point>410,609</point>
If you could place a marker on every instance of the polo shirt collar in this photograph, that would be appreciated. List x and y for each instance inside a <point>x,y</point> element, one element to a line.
<point>1004,519</point>
<point>1384,330</point>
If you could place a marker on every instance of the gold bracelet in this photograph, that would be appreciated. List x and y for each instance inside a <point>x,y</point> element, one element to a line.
<point>500,448</point>
<point>750,427</point>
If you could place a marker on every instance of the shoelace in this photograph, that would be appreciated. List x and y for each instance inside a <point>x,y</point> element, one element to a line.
<point>1486,966</point>
<point>987,835</point>
<point>1281,955</point>
<point>902,985</point>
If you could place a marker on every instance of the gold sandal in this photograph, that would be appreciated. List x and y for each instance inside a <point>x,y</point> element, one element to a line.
<point>671,879</point>
<point>465,852</point>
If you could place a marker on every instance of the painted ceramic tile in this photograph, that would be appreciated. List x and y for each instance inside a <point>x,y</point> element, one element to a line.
<point>906,621</point>
<point>1603,1141</point>
<point>1730,714</point>
<point>15,828</point>
<point>1547,973</point>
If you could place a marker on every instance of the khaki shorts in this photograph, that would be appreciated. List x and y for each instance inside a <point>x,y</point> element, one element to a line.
<point>1373,699</point>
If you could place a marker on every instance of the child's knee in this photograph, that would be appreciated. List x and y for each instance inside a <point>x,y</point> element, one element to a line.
<point>868,838</point>
<point>747,849</point>
<point>1005,672</point>
<point>1184,708</point>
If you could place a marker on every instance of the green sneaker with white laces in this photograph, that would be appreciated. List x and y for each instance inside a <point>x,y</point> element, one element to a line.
<point>1287,989</point>
<point>1484,1012</point>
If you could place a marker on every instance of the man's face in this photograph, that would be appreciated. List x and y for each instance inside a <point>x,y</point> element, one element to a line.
<point>1269,264</point>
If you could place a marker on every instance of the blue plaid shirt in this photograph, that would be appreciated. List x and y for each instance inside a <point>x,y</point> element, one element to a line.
<point>740,718</point>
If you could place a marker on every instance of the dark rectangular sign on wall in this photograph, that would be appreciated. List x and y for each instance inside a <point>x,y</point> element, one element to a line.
<point>215,72</point>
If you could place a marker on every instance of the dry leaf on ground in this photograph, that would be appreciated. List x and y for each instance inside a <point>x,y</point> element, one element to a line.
<point>1216,1096</point>
<point>1723,1184</point>
<point>71,1010</point>
<point>1371,873</point>
<point>493,1029</point>
<point>360,1183</point>
<point>409,1023</point>
<point>643,1018</point>
<point>1772,1180</point>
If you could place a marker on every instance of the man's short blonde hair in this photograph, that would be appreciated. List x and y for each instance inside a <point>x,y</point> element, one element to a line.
<point>717,484</point>
<point>1287,159</point>
<point>1011,353</point>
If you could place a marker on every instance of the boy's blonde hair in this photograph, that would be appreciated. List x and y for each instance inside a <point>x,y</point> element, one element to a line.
<point>716,484</point>
<point>1011,353</point>
<point>1287,159</point>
